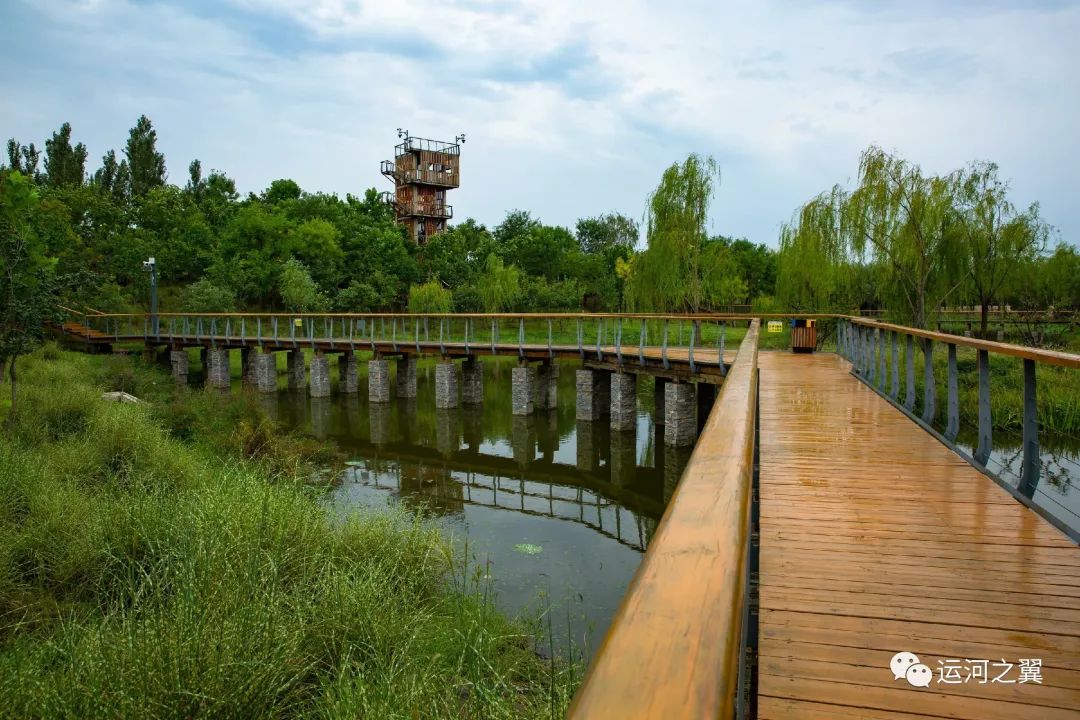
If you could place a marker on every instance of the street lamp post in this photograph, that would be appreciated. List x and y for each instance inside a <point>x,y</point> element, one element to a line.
<point>150,266</point>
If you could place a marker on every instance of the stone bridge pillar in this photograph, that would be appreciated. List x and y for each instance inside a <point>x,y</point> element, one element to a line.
<point>217,367</point>
<point>297,374</point>
<point>680,416</point>
<point>547,385</point>
<point>319,386</point>
<point>378,369</point>
<point>348,381</point>
<point>446,384</point>
<point>623,401</point>
<point>265,371</point>
<point>406,377</point>
<point>472,382</point>
<point>593,393</point>
<point>523,389</point>
<point>178,360</point>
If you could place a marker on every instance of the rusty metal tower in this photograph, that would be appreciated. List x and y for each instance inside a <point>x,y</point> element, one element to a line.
<point>422,171</point>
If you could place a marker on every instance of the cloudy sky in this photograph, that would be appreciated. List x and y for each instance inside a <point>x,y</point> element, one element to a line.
<point>570,107</point>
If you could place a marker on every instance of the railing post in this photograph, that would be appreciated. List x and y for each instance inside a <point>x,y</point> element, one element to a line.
<point>580,338</point>
<point>442,345</point>
<point>929,389</point>
<point>1032,467</point>
<point>521,337</point>
<point>720,350</point>
<point>551,352</point>
<point>494,332</point>
<point>909,384</point>
<point>599,338</point>
<point>690,353</point>
<point>416,333</point>
<point>952,422</point>
<point>641,344</point>
<point>618,341</point>
<point>883,374</point>
<point>986,439</point>
<point>895,389</point>
<point>667,365</point>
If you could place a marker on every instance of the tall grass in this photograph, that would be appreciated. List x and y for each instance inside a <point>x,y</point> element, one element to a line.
<point>146,571</point>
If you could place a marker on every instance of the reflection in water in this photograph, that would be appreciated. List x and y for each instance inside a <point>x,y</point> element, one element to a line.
<point>1060,460</point>
<point>591,499</point>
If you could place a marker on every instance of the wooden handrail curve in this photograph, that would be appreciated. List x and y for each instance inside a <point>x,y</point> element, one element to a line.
<point>681,618</point>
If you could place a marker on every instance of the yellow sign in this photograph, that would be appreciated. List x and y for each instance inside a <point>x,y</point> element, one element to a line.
<point>776,326</point>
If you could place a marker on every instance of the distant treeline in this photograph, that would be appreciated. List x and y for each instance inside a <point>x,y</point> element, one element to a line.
<point>286,248</point>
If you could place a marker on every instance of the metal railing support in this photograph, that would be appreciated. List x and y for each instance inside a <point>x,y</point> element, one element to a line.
<point>909,384</point>
<point>895,389</point>
<point>986,438</point>
<point>1032,465</point>
<point>952,422</point>
<point>929,389</point>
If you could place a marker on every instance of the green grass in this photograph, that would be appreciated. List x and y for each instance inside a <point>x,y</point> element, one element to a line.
<point>155,561</point>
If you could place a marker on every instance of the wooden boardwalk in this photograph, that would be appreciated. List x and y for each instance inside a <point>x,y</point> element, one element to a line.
<point>877,539</point>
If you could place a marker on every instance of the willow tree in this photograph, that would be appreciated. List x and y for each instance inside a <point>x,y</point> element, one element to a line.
<point>499,285</point>
<point>677,271</point>
<point>997,239</point>
<point>812,254</point>
<point>908,223</point>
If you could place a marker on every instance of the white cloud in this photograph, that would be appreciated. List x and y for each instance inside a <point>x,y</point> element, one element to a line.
<point>573,108</point>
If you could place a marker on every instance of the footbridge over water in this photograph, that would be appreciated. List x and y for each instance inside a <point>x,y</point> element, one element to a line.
<point>829,550</point>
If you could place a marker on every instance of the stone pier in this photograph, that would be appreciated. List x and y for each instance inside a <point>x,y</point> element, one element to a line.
<point>405,384</point>
<point>348,377</point>
<point>297,374</point>
<point>523,389</point>
<point>378,373</point>
<point>249,377</point>
<point>446,384</point>
<point>587,455</point>
<point>547,386</point>
<point>178,360</point>
<point>379,422</point>
<point>447,433</point>
<point>706,396</point>
<point>523,439</point>
<point>321,408</point>
<point>623,456</point>
<point>217,367</point>
<point>658,400</point>
<point>265,372</point>
<point>320,375</point>
<point>472,382</point>
<point>623,401</point>
<point>593,393</point>
<point>680,416</point>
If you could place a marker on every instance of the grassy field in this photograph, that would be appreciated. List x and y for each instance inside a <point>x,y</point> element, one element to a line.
<point>171,559</point>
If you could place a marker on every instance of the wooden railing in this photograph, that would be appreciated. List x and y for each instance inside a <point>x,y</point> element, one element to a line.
<point>874,349</point>
<point>676,645</point>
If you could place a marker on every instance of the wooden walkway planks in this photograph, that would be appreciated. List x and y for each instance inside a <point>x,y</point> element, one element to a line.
<point>877,539</point>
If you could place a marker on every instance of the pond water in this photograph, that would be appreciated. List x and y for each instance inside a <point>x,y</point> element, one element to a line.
<point>557,512</point>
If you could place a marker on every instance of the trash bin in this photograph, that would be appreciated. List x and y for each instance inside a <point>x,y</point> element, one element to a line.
<point>803,336</point>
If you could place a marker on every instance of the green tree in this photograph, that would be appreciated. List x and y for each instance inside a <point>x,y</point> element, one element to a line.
<point>203,296</point>
<point>113,178</point>
<point>27,285</point>
<point>996,238</point>
<point>23,159</point>
<point>908,223</point>
<point>597,234</point>
<point>500,285</point>
<point>65,166</point>
<point>812,254</point>
<point>298,291</point>
<point>675,273</point>
<point>145,164</point>
<point>430,297</point>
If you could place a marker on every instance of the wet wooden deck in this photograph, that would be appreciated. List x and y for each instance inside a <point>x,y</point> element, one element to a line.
<point>877,539</point>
